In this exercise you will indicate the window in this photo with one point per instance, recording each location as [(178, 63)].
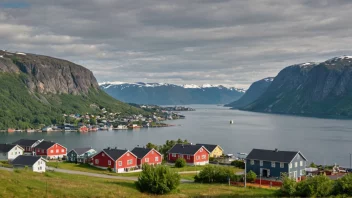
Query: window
[(301, 163), (174, 155), (201, 150), (103, 154), (15, 148), (156, 159), (261, 162), (128, 154), (301, 172), (42, 150), (188, 156), (273, 164), (129, 162), (282, 165), (51, 151), (252, 162), (152, 152), (204, 156), (62, 150), (296, 164), (57, 150), (146, 160), (197, 158), (96, 161), (109, 162), (290, 165), (120, 163)]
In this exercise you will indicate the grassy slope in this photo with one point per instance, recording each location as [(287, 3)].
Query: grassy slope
[(21, 109), (28, 184)]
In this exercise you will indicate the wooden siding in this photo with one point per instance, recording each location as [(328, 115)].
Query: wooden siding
[(102, 160), (151, 156), (200, 157), (217, 152)]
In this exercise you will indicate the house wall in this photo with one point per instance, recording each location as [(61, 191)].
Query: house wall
[(298, 158), (53, 152), (12, 154), (39, 166), (71, 156), (274, 171), (196, 159), (102, 160), (124, 159), (152, 155), (217, 152)]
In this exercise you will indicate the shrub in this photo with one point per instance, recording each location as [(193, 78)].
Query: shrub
[(238, 164), (109, 169), (211, 159), (180, 162), (288, 187), (344, 185), (157, 179), (318, 186), (251, 176), (215, 174)]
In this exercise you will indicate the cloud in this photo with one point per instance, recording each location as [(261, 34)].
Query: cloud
[(203, 41)]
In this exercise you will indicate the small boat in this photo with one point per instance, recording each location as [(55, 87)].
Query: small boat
[(231, 121), (30, 130), (10, 130)]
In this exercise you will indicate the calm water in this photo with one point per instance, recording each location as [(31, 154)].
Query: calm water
[(323, 141)]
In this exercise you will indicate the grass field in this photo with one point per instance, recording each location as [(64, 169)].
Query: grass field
[(92, 169), (53, 184)]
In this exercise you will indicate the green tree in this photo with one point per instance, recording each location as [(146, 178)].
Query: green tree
[(215, 174), (318, 186), (251, 176), (180, 162), (344, 185), (288, 187), (151, 146), (313, 165), (238, 164), (157, 179)]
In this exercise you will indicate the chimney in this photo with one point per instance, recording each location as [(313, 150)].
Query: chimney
[(138, 145), (276, 150), (108, 148), (183, 146), (115, 147)]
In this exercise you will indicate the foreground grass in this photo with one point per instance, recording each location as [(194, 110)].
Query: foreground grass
[(53, 184)]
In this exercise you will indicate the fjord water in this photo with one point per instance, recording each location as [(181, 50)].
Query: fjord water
[(323, 141)]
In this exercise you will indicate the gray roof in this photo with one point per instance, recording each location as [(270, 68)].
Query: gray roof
[(25, 160), (189, 149), (140, 152), (45, 145), (4, 148), (272, 155), (81, 151), (25, 142), (115, 153), (209, 147)]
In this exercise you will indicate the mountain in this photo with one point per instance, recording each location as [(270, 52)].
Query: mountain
[(310, 89), (170, 94), (37, 89), (253, 93)]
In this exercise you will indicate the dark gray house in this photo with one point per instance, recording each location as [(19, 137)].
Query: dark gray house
[(80, 155), (273, 163)]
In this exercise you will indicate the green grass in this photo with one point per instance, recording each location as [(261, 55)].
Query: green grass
[(5, 164), (53, 184)]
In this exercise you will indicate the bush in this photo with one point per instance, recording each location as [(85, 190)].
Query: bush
[(238, 164), (318, 186), (288, 187), (215, 174), (251, 176), (157, 179), (211, 159), (180, 162), (343, 185), (109, 169)]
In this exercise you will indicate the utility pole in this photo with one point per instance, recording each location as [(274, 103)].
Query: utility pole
[(350, 160)]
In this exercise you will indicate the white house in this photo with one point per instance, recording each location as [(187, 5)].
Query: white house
[(36, 163), (10, 151)]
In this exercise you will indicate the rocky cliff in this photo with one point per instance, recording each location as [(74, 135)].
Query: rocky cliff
[(49, 75), (311, 89), (253, 93)]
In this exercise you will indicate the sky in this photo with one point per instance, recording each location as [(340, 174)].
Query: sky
[(232, 43)]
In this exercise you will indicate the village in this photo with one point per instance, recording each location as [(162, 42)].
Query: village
[(269, 166), (105, 120)]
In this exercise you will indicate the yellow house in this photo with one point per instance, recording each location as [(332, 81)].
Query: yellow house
[(215, 150)]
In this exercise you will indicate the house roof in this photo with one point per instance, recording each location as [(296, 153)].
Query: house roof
[(273, 155), (45, 144), (141, 152), (4, 148), (186, 148), (209, 147), (115, 153), (25, 142), (26, 160), (81, 151)]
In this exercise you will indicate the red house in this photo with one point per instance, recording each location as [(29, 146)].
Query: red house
[(28, 145), (193, 154), (146, 155), (117, 159), (50, 150)]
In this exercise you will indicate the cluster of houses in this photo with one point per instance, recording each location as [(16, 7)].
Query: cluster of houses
[(35, 153)]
